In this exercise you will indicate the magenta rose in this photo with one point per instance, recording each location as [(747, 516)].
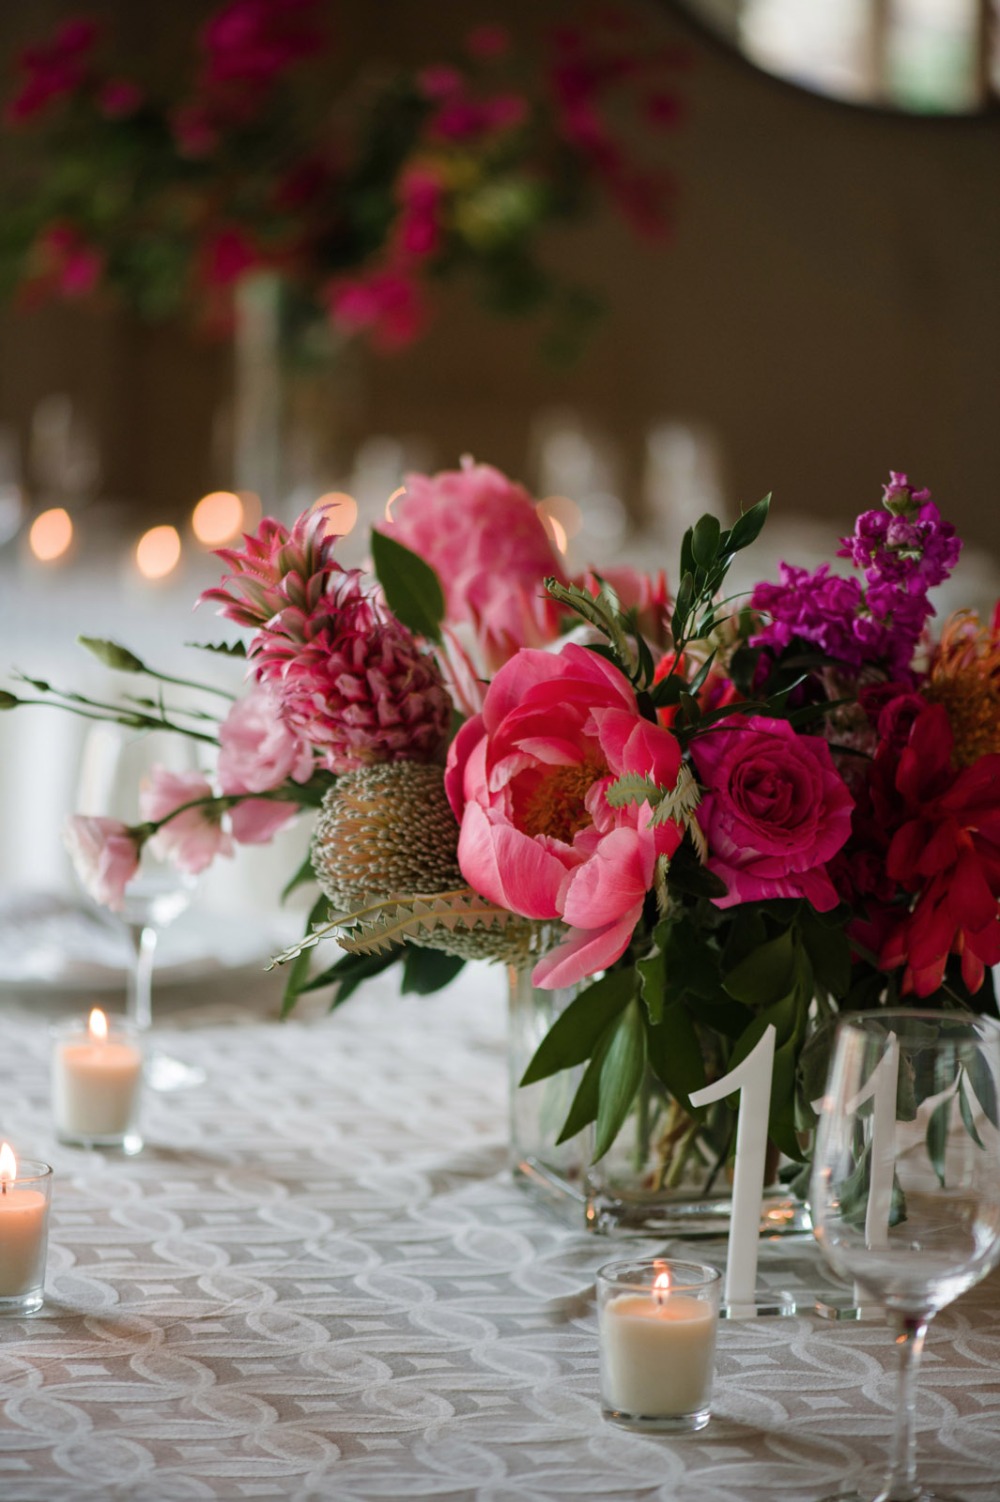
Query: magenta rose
[(527, 779), (774, 812), (104, 856)]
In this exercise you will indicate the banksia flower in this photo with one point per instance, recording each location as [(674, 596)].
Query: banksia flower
[(383, 830)]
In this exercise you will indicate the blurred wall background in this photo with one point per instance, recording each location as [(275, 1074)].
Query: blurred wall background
[(828, 310)]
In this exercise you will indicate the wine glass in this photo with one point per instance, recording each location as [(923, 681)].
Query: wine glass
[(114, 763), (906, 1182)]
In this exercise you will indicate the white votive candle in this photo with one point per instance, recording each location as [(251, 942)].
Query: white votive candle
[(658, 1322), (97, 1083), (24, 1225)]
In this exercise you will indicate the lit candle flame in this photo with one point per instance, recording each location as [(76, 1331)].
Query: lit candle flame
[(97, 1026), (8, 1166), (158, 552), (51, 534), (661, 1285), (400, 490)]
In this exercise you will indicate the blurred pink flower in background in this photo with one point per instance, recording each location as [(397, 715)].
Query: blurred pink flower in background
[(481, 534), (104, 856), (259, 753)]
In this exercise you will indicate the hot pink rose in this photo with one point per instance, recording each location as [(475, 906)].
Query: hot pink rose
[(104, 856), (481, 534), (775, 810), (193, 839), (259, 753), (527, 780)]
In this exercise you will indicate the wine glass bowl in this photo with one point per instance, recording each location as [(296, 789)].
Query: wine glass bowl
[(905, 1192)]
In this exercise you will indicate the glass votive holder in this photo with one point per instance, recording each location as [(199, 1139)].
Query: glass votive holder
[(24, 1235), (97, 1083), (657, 1323)]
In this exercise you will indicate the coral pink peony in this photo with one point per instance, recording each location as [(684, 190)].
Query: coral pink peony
[(104, 855), (259, 753), (775, 810), (527, 779), (479, 531), (190, 840)]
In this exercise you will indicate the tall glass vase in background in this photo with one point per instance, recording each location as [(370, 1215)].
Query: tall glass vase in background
[(296, 387)]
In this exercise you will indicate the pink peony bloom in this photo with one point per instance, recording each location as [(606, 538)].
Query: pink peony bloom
[(191, 840), (104, 855), (481, 534), (775, 811), (527, 780), (259, 753)]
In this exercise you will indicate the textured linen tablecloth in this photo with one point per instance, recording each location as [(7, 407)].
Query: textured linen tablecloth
[(319, 1281)]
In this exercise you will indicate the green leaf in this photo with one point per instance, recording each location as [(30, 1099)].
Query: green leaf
[(583, 1109), (621, 1074), (968, 1120), (689, 877), (224, 648), (113, 655), (937, 1136), (652, 973), (428, 970), (630, 787), (981, 1080), (412, 588), (830, 952), (298, 879), (748, 527), (575, 1033), (675, 1055), (351, 971), (705, 540), (766, 974)]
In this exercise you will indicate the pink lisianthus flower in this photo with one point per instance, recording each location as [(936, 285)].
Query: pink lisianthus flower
[(104, 855), (258, 753), (774, 812), (190, 840), (527, 779), (481, 534)]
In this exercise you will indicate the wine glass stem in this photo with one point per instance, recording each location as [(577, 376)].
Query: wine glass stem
[(901, 1478), (140, 978)]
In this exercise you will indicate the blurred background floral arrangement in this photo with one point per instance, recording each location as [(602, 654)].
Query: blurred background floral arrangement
[(363, 188)]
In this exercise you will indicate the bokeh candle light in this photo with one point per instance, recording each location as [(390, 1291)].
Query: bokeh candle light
[(158, 552), (51, 534)]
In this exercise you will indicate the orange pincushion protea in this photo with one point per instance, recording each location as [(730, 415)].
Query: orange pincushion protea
[(965, 679)]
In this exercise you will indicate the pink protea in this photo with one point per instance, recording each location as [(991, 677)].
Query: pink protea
[(482, 535), (352, 681), (277, 570)]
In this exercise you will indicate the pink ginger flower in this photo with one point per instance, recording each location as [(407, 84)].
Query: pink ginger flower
[(190, 840), (258, 753), (528, 779), (352, 680), (105, 857), (481, 534)]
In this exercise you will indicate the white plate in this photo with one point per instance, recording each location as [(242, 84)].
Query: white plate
[(53, 943)]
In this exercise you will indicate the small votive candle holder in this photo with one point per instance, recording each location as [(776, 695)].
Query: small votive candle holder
[(24, 1235), (657, 1323), (97, 1083)]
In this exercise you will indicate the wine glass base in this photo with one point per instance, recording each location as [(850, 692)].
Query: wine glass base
[(163, 1073)]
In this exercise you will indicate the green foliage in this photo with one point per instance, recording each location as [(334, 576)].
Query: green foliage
[(412, 588)]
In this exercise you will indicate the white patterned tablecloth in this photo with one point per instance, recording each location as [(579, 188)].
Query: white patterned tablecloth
[(319, 1281)]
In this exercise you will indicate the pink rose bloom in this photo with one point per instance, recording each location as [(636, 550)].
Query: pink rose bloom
[(775, 811), (527, 780), (193, 839), (104, 856), (258, 753), (481, 534)]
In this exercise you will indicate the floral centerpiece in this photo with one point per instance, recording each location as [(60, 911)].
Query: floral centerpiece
[(364, 185), (695, 817)]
